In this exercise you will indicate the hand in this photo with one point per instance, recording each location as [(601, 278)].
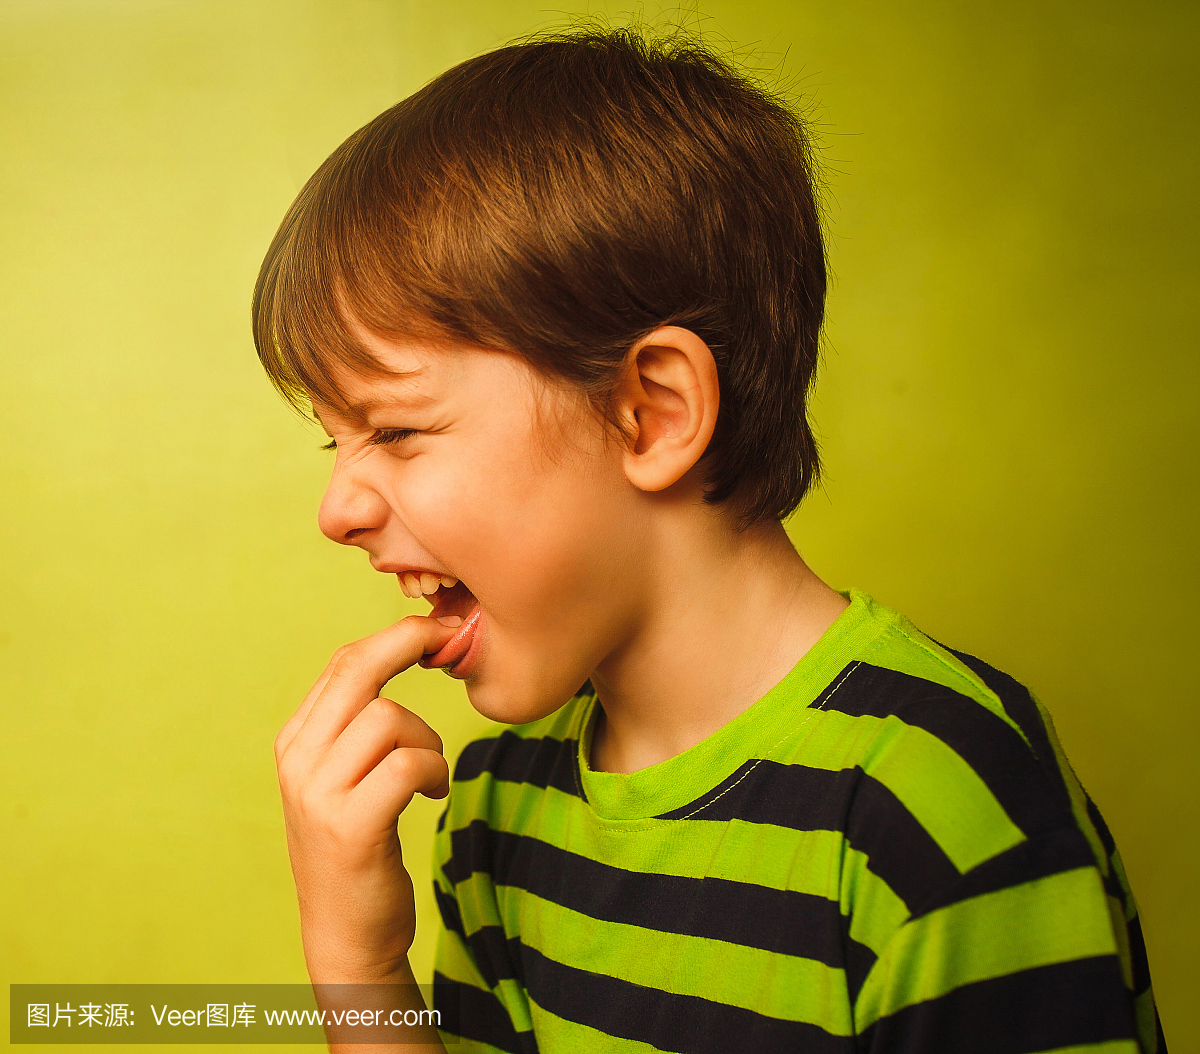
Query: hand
[(349, 763)]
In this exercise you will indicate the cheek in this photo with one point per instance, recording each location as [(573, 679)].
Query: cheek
[(520, 526)]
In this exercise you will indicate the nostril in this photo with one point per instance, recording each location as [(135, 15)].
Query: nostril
[(351, 535)]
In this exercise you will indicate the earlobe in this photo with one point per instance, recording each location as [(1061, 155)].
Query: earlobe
[(669, 400)]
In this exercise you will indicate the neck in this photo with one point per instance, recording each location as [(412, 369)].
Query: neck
[(727, 615)]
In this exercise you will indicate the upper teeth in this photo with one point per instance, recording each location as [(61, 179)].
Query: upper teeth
[(414, 585)]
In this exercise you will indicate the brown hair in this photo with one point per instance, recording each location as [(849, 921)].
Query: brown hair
[(561, 198)]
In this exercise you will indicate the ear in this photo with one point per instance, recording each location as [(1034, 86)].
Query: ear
[(668, 400)]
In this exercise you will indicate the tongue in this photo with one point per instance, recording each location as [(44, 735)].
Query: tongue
[(457, 646)]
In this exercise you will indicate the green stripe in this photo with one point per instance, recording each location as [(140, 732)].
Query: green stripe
[(778, 857), (944, 793), (1074, 790), (878, 912), (976, 940), (1143, 1014), (455, 961), (1118, 868), (512, 994), (1120, 931), (557, 1033), (477, 902), (1111, 1046)]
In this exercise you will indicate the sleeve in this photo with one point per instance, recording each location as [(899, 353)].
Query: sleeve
[(1020, 954), (474, 999)]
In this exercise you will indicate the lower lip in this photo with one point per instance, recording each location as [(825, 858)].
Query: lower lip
[(460, 653)]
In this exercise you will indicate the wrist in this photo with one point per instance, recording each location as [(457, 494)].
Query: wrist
[(380, 1015), (332, 961)]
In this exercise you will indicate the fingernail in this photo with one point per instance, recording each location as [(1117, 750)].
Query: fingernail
[(450, 620)]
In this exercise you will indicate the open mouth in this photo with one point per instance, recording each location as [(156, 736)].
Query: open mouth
[(447, 599)]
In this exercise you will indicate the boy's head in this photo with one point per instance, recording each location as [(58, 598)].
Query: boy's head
[(561, 199), (586, 222)]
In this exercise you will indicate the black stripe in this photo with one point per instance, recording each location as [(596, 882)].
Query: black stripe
[(708, 798), (472, 1013), (899, 850), (1102, 831), (1018, 703), (442, 818), (1049, 854), (1113, 885), (542, 762), (1139, 963), (981, 738), (859, 960), (1043, 1008), (664, 1020), (498, 957), (1160, 1041), (448, 909), (782, 921)]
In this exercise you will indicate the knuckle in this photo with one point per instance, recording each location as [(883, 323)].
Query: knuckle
[(404, 765), (310, 803), (291, 783), (287, 774), (381, 712), (388, 707), (347, 661)]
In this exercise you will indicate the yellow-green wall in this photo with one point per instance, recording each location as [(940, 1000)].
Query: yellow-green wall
[(1008, 410)]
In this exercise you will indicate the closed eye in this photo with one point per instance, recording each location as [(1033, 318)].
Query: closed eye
[(384, 435), (391, 435)]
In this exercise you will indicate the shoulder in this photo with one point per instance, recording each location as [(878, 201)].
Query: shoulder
[(966, 808), (921, 701), (931, 763)]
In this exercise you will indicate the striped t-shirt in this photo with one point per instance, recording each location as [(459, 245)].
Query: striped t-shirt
[(887, 852)]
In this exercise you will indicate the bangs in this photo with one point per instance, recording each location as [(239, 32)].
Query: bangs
[(361, 244), (311, 285), (301, 336)]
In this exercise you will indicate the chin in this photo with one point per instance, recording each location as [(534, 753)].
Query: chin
[(517, 704)]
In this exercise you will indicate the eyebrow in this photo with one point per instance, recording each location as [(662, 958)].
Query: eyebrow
[(359, 412)]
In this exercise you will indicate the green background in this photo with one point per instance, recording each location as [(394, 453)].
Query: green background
[(1007, 409)]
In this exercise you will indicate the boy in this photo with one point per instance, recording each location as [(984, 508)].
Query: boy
[(559, 312)]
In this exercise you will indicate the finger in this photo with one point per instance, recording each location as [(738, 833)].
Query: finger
[(379, 728), (388, 788), (358, 672), (293, 723)]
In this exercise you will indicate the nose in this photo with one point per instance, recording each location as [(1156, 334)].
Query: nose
[(350, 508)]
